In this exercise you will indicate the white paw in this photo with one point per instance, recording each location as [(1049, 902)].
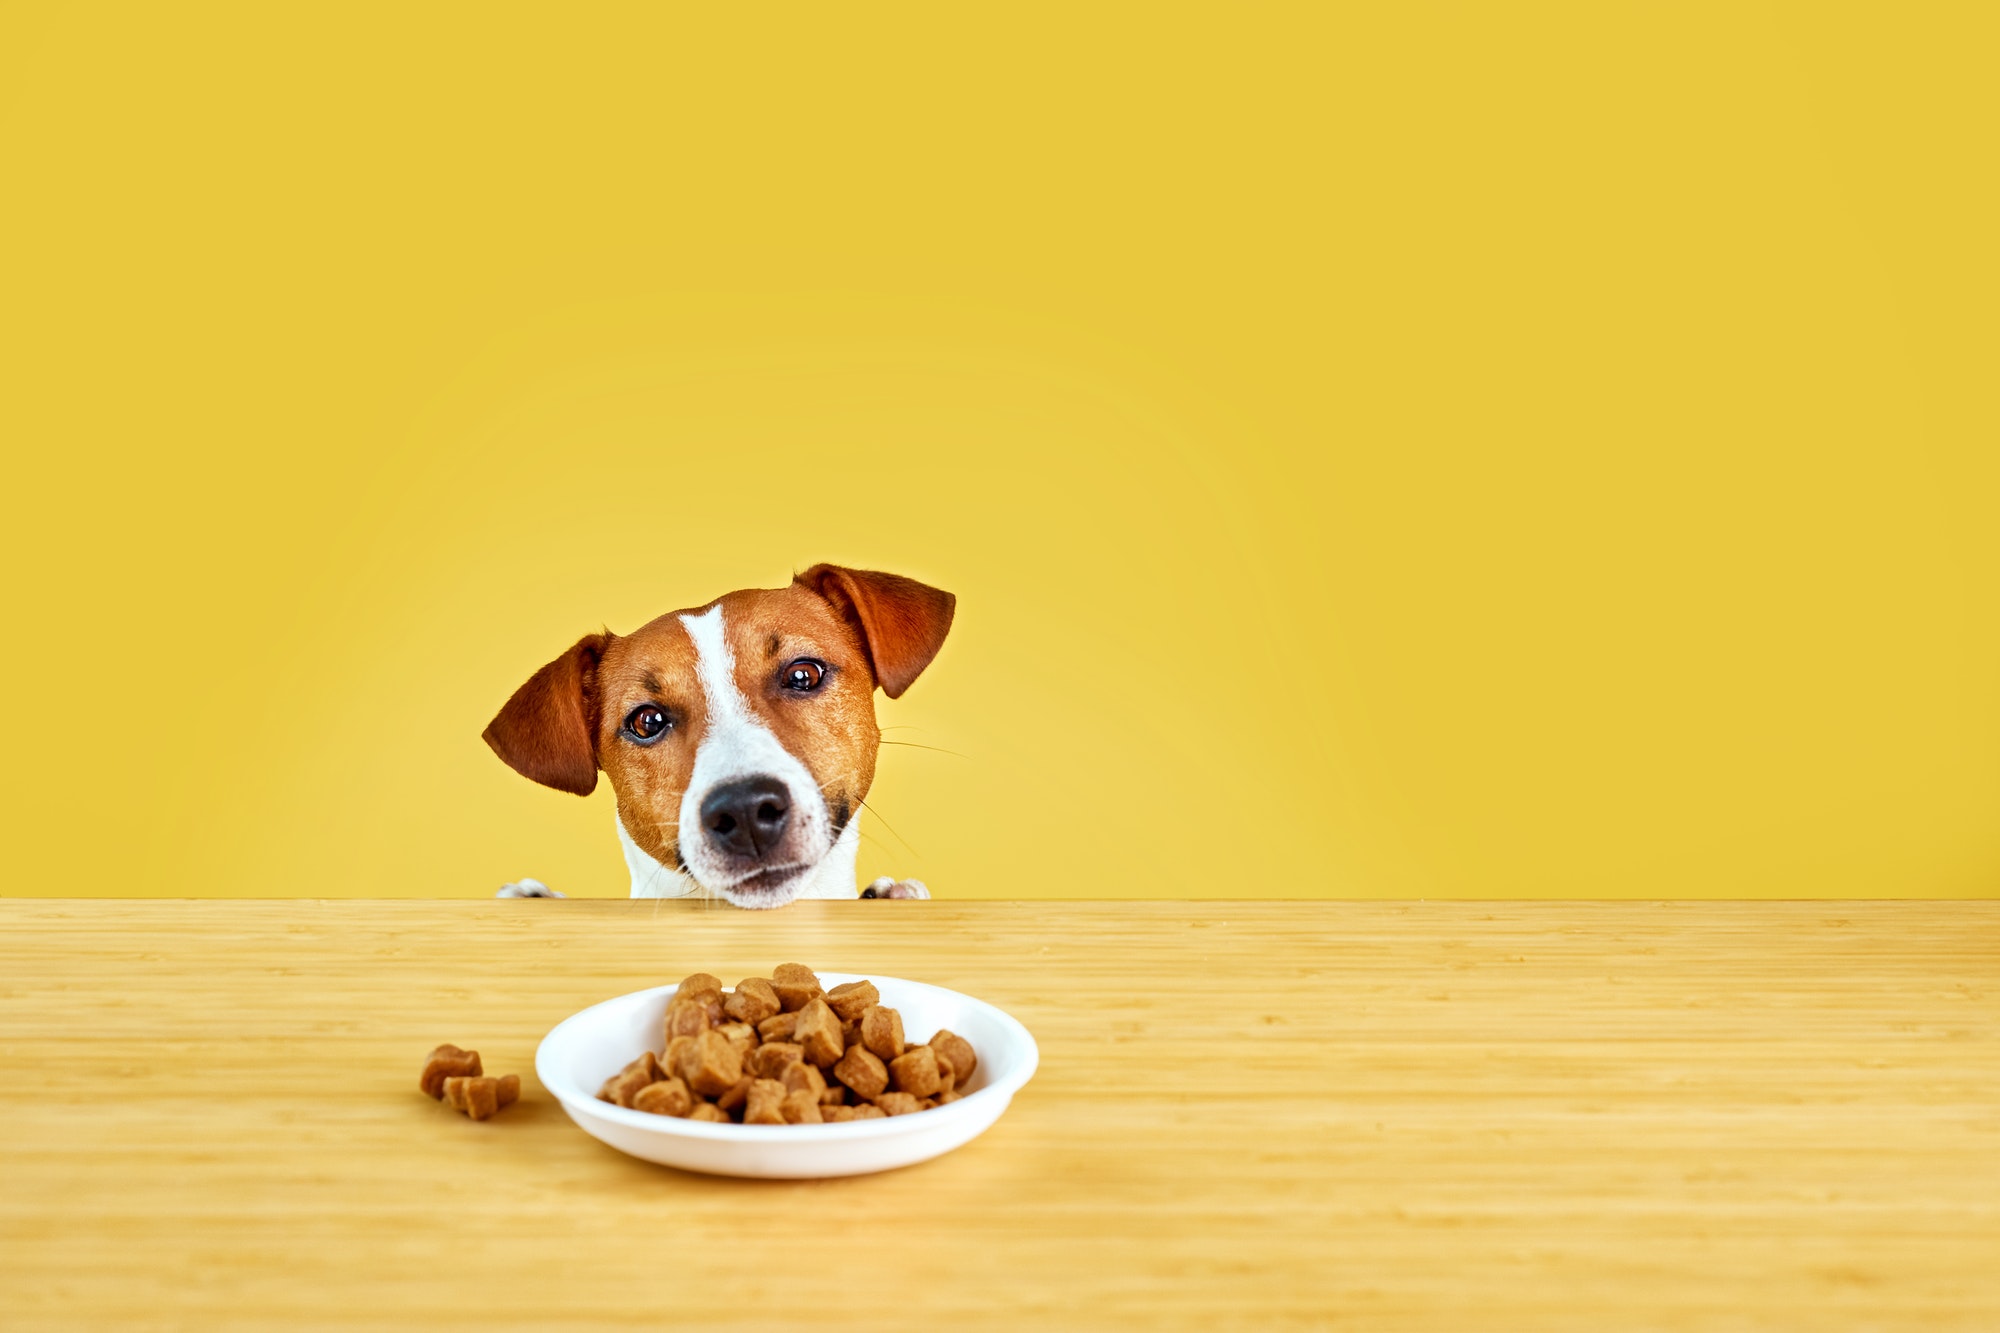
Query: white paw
[(527, 888), (896, 888)]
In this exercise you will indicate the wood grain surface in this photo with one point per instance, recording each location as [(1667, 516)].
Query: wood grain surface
[(1248, 1115)]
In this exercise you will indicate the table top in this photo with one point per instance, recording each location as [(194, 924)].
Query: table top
[(1369, 1115)]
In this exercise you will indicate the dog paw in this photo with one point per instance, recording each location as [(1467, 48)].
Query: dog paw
[(896, 888), (527, 888)]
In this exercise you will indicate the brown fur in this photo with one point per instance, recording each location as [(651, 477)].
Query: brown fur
[(547, 730)]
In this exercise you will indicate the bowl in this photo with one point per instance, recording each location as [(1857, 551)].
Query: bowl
[(588, 1047)]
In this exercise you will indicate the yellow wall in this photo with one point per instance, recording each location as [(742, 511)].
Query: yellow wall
[(1430, 450)]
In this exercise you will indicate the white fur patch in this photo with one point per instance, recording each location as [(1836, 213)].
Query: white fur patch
[(736, 744), (527, 888)]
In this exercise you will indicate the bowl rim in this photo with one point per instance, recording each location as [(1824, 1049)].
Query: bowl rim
[(996, 1094)]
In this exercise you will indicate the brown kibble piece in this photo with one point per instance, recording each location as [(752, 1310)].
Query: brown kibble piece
[(715, 1064), (753, 1002), (851, 1000), (836, 1114), (667, 1097), (800, 1108), (835, 1095), (770, 1059), (818, 1032), (764, 1106), (869, 1112), (916, 1072), (675, 1061), (898, 1103), (481, 1097), (707, 997), (950, 1046), (445, 1062), (740, 1035), (477, 1097), (701, 983), (622, 1086), (850, 1033), (778, 1027), (882, 1032), (735, 1097), (710, 1112), (686, 1018), (863, 1071), (801, 1076), (795, 984), (947, 1076), (947, 1098)]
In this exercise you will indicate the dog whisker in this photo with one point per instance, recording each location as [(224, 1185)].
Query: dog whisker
[(912, 745), (877, 815)]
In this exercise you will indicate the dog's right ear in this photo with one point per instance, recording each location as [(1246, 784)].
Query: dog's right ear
[(902, 622), (548, 730)]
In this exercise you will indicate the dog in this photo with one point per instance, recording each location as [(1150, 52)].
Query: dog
[(739, 736)]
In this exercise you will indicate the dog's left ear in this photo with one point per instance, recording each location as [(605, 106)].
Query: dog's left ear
[(548, 730), (902, 622)]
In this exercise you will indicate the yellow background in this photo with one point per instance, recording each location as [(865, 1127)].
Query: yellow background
[(1395, 450)]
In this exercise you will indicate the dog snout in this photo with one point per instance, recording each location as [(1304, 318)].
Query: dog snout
[(747, 817)]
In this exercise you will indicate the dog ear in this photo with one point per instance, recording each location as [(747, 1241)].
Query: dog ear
[(902, 622), (548, 730)]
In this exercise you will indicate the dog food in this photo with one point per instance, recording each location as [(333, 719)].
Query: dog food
[(447, 1061), (456, 1078), (481, 1097), (777, 1050)]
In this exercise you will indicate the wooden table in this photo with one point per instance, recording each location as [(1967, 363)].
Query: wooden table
[(1249, 1115)]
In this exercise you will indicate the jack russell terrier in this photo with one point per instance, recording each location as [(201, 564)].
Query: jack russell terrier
[(739, 737)]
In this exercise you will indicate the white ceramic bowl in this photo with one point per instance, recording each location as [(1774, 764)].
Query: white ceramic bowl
[(586, 1048)]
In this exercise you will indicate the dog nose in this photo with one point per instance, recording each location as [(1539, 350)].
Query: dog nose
[(747, 817)]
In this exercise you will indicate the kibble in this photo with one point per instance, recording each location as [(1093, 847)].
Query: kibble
[(915, 1072), (782, 1050), (795, 984), (667, 1097), (624, 1085), (481, 1097), (754, 1001), (800, 1108), (713, 1066), (818, 1032), (882, 1032), (765, 1104), (950, 1046), (457, 1079), (862, 1070), (445, 1062), (850, 1000)]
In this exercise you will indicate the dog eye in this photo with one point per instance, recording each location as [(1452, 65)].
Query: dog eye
[(804, 675), (648, 722)]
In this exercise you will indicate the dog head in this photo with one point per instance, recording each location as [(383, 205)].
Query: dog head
[(740, 736)]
